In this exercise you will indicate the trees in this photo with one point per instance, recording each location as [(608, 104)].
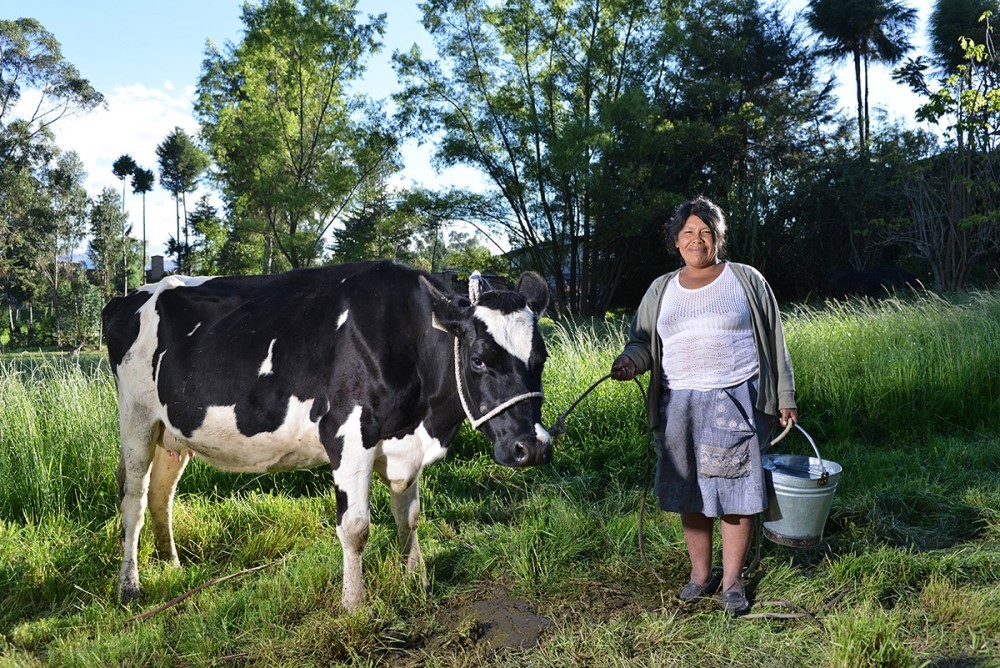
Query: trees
[(593, 118), (181, 165), (39, 200), (111, 250), (868, 31), (962, 40), (953, 196), (293, 148), (68, 204)]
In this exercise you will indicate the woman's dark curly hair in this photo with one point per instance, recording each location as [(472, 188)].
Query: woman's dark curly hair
[(705, 209)]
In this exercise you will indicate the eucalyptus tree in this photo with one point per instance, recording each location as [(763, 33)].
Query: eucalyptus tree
[(27, 238), (31, 60), (32, 69), (181, 165), (867, 31), (292, 146), (142, 183)]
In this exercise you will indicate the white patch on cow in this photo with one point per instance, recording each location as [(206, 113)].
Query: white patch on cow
[(191, 333), (342, 319), (159, 363), (293, 445), (542, 435), (514, 331), (406, 456), (266, 367)]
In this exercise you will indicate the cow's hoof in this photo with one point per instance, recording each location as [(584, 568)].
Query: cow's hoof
[(128, 594)]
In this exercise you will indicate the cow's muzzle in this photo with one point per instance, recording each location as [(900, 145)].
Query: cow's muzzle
[(532, 454), (526, 451)]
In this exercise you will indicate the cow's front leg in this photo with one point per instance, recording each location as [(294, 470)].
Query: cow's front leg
[(406, 511), (352, 476)]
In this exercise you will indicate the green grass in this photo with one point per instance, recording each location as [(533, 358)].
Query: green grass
[(901, 393)]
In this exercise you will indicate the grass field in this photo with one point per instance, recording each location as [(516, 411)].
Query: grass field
[(537, 568)]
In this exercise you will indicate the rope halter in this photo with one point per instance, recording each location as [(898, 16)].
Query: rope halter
[(496, 411)]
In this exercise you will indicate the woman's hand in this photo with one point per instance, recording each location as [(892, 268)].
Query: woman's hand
[(788, 414), (623, 368)]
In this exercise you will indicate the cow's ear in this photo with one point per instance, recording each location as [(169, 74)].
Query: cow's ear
[(535, 291), (447, 315)]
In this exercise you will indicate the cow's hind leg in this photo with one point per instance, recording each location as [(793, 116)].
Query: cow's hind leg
[(138, 443), (168, 466)]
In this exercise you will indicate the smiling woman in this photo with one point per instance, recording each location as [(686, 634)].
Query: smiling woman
[(711, 334)]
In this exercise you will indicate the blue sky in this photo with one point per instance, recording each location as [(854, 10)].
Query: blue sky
[(145, 57)]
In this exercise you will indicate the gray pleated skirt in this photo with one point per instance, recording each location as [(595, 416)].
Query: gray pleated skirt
[(708, 457)]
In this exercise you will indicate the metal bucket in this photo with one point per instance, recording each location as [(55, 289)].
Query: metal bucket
[(799, 493)]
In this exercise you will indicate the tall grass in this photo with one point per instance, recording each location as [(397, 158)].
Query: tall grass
[(902, 394), (58, 425), (905, 368)]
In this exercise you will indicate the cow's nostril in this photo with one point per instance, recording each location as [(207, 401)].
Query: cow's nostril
[(521, 454)]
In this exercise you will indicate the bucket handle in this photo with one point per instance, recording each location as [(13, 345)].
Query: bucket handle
[(824, 476)]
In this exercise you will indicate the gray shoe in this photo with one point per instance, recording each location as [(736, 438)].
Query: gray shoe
[(693, 591), (734, 600)]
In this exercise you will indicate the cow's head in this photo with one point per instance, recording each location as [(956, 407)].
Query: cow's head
[(500, 354)]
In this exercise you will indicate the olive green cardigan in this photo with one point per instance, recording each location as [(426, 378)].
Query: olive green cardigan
[(776, 387)]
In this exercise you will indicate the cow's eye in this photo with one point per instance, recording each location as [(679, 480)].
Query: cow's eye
[(478, 364)]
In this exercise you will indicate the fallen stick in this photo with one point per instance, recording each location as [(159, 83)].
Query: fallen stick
[(191, 592), (799, 613)]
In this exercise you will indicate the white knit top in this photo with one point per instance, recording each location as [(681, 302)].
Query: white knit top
[(707, 335)]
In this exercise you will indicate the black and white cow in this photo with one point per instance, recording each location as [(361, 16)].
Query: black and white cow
[(366, 367)]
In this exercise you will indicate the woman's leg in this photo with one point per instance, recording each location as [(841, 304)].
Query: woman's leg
[(698, 536), (736, 532)]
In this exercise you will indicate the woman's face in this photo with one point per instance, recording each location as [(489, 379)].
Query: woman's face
[(696, 243)]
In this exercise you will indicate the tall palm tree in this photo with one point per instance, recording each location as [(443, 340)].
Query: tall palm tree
[(867, 31), (123, 167), (142, 183)]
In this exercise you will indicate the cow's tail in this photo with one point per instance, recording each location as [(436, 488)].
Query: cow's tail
[(120, 476)]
